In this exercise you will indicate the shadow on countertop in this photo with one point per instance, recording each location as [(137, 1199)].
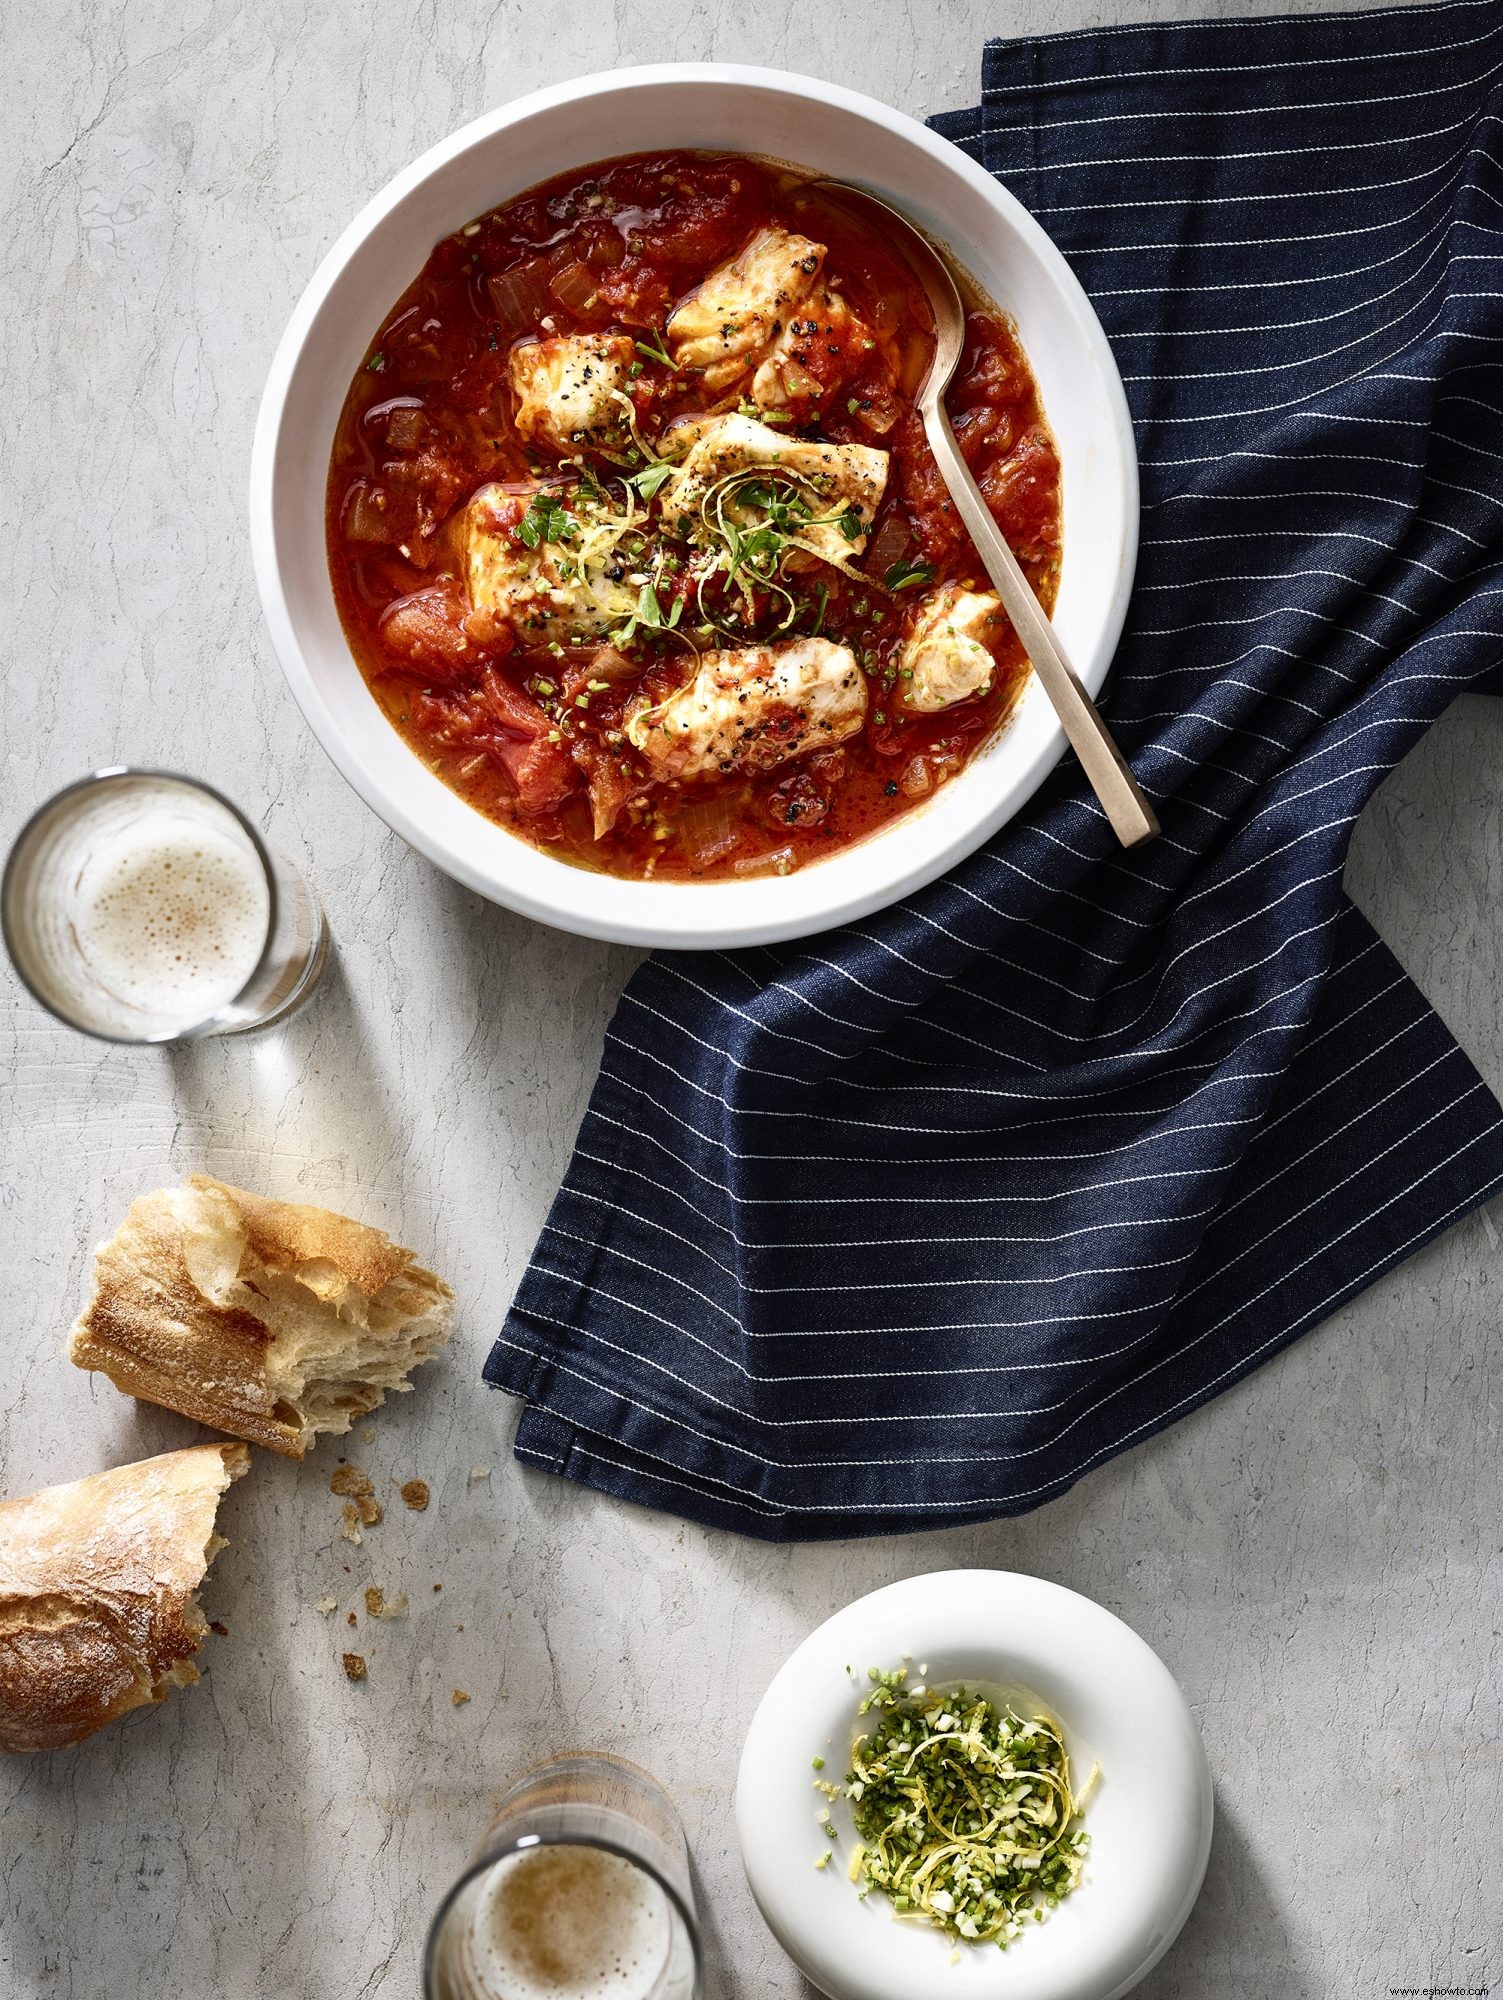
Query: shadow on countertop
[(1235, 1940)]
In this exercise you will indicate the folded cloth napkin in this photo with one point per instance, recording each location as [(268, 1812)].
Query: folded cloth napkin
[(919, 1220)]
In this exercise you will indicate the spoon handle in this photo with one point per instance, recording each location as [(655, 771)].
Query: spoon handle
[(1132, 818)]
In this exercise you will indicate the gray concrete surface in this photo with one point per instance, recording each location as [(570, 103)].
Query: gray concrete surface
[(1316, 1556)]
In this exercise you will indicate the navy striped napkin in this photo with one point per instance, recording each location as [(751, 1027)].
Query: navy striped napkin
[(922, 1219)]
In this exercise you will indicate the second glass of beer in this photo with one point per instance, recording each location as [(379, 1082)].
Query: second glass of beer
[(579, 1891)]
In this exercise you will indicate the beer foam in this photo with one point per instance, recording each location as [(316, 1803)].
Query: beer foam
[(569, 1923), (170, 915)]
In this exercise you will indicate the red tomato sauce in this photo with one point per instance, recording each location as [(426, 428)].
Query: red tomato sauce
[(531, 735)]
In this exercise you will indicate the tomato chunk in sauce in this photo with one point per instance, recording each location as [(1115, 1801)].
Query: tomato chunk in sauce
[(637, 538)]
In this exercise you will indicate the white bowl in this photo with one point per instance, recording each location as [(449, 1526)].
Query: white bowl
[(721, 108), (1149, 1816)]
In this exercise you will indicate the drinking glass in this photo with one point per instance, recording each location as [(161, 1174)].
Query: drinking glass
[(579, 1891), (141, 906)]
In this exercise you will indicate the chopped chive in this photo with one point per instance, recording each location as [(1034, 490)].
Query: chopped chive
[(654, 347)]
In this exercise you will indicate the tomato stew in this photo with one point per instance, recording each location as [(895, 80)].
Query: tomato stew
[(637, 538)]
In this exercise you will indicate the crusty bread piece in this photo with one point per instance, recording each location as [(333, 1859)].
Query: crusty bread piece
[(97, 1582), (267, 1319)]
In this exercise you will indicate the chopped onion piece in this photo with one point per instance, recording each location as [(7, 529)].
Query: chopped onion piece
[(575, 288), (606, 664), (890, 544), (779, 862), (406, 427), (521, 297), (606, 248), (610, 781), (365, 515), (916, 780), (709, 829), (878, 412)]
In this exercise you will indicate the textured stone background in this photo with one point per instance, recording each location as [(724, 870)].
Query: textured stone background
[(1316, 1556)]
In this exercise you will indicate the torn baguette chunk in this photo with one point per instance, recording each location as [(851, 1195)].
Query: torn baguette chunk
[(97, 1592), (268, 1319)]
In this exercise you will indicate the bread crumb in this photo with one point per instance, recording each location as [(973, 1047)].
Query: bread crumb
[(479, 1472), (351, 1527), (438, 1586), (368, 1435), (218, 1625), (325, 1605), (354, 1665), (415, 1494), (459, 1697), (350, 1620), (380, 1606), (360, 1494)]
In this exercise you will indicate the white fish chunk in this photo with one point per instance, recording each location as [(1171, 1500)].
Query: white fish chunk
[(546, 594), (751, 708), (947, 656), (831, 477), (566, 388), (821, 345), (729, 324)]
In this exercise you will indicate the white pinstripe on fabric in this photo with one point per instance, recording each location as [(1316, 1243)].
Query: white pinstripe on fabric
[(760, 1457)]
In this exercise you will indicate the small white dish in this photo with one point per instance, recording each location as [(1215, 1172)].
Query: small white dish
[(1149, 1816), (712, 107)]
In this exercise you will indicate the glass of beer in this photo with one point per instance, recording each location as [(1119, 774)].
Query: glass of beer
[(140, 906), (579, 1891)]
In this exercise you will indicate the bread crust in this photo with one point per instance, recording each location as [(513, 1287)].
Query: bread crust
[(181, 1314), (96, 1592)]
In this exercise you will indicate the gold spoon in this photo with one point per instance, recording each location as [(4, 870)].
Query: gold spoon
[(1132, 817)]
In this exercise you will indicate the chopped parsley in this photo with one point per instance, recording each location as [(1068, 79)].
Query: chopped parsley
[(546, 520), (648, 481), (903, 575), (649, 615)]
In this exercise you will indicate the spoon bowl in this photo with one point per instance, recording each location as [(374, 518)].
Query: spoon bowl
[(1132, 818)]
